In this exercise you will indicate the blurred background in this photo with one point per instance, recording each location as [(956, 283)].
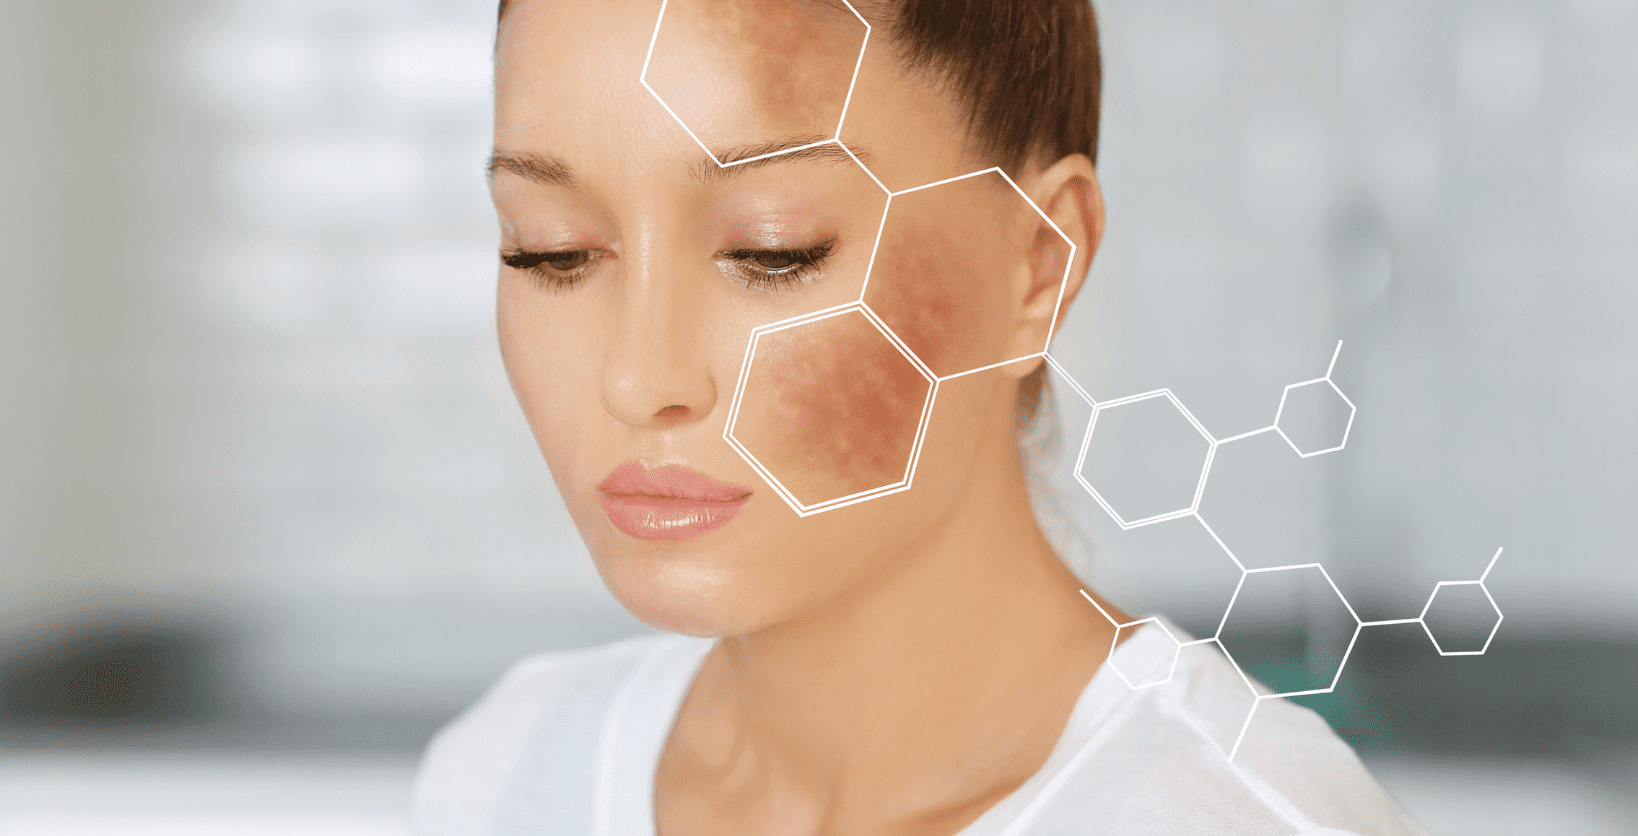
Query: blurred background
[(269, 516)]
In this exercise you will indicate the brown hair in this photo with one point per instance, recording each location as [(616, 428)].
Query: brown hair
[(1029, 73)]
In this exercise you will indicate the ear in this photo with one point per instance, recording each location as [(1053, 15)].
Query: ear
[(1065, 232)]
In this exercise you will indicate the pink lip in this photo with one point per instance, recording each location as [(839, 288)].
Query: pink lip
[(668, 503)]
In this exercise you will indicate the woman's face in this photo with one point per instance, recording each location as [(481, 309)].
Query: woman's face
[(636, 270)]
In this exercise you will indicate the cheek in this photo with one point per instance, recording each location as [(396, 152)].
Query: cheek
[(941, 279), (520, 348), (547, 347), (831, 408)]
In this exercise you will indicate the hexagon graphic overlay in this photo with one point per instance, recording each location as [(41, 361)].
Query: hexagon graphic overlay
[(934, 281), (1177, 569), (1142, 666), (830, 410), (1291, 628), (1260, 497), (1146, 660), (749, 79), (1314, 416), (1461, 618), (1145, 459)]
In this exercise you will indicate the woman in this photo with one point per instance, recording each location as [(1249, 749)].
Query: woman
[(922, 662)]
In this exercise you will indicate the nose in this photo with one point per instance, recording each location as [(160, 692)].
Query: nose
[(656, 370)]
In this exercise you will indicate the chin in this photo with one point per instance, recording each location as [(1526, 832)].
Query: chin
[(689, 594)]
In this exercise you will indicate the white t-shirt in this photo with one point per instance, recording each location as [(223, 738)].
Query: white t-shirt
[(568, 743)]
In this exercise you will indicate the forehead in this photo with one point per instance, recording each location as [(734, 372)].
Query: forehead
[(570, 79), (555, 60), (733, 71)]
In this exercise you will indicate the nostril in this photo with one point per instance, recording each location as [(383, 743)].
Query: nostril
[(674, 409)]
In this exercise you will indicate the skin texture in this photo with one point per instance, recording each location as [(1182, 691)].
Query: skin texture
[(947, 262), (801, 59), (831, 408), (894, 666)]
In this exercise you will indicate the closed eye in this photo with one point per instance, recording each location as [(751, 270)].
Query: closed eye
[(558, 269), (777, 269), (769, 269)]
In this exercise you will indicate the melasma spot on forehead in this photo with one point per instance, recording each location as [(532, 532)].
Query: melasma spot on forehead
[(747, 71)]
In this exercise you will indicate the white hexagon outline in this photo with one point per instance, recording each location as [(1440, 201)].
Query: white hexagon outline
[(1200, 484), (1480, 583), (1177, 646), (835, 136), (803, 509), (1347, 428), (1352, 639), (1435, 639), (1063, 281)]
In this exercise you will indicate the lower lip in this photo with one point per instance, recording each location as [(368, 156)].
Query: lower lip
[(655, 518)]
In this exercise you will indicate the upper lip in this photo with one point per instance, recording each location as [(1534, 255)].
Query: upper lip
[(672, 481)]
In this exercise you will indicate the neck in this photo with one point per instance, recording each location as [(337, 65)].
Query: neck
[(946, 674)]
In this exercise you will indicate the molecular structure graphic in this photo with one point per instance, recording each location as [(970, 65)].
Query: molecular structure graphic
[(1158, 672), (1319, 395)]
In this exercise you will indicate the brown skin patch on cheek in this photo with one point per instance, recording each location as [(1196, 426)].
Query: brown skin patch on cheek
[(941, 275), (831, 408)]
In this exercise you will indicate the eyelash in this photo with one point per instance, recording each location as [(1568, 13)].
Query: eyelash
[(749, 265), (539, 266), (799, 268)]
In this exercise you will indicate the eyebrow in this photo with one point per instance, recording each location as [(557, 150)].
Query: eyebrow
[(788, 150), (540, 168), (552, 171)]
